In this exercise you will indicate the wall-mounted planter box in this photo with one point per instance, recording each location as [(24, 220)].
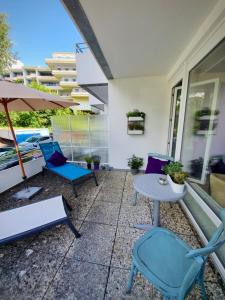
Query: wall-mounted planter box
[(135, 122), (135, 119), (135, 132), (211, 117)]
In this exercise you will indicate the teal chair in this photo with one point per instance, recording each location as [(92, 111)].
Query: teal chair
[(170, 264)]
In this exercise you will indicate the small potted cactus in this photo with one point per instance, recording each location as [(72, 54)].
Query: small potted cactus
[(88, 160)]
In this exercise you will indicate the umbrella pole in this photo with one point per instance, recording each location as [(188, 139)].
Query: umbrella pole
[(15, 142)]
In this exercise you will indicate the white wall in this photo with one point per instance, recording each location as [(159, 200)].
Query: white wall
[(12, 176), (88, 70), (148, 94)]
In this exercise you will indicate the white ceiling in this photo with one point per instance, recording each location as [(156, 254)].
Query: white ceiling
[(144, 37)]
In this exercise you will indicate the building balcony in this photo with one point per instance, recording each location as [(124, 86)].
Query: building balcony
[(54, 61), (81, 94), (62, 73), (47, 78), (68, 84)]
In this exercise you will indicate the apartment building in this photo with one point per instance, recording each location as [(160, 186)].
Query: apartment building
[(59, 75)]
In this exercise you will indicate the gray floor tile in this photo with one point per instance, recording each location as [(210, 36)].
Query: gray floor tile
[(131, 215), (110, 196), (29, 277), (10, 253), (55, 240), (95, 244), (117, 284), (125, 238), (104, 212), (78, 280)]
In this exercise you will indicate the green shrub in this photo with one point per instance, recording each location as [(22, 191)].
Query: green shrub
[(135, 162)]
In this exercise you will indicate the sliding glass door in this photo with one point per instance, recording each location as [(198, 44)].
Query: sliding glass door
[(174, 118)]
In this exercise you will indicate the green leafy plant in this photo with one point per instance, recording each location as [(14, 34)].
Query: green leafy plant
[(136, 113), (206, 111), (133, 126), (135, 162), (88, 159), (96, 159), (180, 177), (172, 168), (6, 55)]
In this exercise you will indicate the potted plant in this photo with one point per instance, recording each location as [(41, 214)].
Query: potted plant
[(88, 160), (96, 160), (135, 163), (175, 176), (135, 115)]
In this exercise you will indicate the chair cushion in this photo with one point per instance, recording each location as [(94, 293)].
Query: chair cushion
[(57, 159), (70, 171), (155, 165)]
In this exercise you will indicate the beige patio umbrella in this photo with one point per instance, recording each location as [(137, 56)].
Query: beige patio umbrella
[(17, 97)]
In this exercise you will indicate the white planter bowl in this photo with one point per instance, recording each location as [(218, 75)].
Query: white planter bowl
[(177, 188)]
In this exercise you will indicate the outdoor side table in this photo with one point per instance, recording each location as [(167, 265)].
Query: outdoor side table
[(149, 186)]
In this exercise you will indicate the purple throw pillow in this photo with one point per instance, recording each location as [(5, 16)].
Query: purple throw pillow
[(155, 165), (57, 159)]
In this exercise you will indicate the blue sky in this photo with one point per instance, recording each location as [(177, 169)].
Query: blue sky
[(38, 28)]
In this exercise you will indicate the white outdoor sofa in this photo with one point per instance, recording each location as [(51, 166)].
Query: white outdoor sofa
[(33, 218)]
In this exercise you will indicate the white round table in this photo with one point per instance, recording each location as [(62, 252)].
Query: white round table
[(149, 186)]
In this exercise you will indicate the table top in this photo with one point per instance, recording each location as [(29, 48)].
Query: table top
[(149, 186)]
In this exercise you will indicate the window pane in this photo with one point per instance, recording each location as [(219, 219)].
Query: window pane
[(203, 149)]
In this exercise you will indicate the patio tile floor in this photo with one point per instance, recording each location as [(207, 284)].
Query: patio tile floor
[(55, 265)]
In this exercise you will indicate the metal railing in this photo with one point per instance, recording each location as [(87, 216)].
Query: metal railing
[(81, 47)]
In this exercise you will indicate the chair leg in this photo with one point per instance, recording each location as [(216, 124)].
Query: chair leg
[(133, 274), (71, 226), (134, 198), (68, 207), (74, 190), (95, 179), (202, 286)]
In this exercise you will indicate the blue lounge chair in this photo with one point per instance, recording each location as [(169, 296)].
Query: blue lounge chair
[(170, 264), (69, 171), (33, 218)]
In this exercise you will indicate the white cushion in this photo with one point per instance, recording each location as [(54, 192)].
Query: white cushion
[(19, 220)]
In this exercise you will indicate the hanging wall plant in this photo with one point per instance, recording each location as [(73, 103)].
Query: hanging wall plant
[(135, 122)]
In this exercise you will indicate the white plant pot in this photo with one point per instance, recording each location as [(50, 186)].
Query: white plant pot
[(177, 188)]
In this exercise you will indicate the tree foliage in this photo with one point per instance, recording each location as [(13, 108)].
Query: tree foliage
[(6, 56), (35, 119)]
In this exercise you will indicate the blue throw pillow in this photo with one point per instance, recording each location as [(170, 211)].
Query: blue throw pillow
[(57, 159)]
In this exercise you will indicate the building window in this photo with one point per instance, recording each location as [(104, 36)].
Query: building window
[(203, 148)]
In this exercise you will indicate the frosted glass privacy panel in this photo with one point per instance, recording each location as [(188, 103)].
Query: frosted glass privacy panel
[(98, 131)]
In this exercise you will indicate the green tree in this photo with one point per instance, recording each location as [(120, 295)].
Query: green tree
[(6, 56), (37, 119)]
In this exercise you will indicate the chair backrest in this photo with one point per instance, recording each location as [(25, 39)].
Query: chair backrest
[(48, 149), (200, 255), (217, 240), (161, 156)]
